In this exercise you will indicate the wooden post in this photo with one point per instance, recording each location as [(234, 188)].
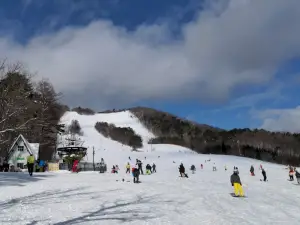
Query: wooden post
[(94, 158)]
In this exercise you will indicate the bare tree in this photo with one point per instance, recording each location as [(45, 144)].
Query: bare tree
[(16, 105)]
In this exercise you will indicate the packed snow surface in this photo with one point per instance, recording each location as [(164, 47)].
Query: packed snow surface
[(160, 198), (62, 197)]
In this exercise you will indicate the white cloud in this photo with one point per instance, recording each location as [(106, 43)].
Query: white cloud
[(281, 119), (239, 43)]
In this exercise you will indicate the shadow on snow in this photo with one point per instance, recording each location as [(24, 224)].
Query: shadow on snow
[(20, 178)]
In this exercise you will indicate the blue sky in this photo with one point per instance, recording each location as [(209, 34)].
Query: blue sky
[(209, 61)]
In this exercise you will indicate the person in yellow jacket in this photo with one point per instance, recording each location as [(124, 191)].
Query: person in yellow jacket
[(30, 164), (237, 184), (128, 168)]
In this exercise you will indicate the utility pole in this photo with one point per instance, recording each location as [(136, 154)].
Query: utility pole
[(94, 158)]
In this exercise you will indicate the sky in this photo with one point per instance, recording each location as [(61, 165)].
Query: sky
[(226, 63)]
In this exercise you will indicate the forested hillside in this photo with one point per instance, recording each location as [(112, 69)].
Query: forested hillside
[(277, 147)]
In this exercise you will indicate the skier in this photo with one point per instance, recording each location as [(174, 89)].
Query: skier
[(30, 163), (129, 158), (201, 166), (264, 174), (291, 174), (237, 184), (297, 176), (193, 169), (182, 170), (140, 166), (252, 170), (214, 167), (225, 167), (116, 169), (136, 174), (113, 170), (148, 169), (128, 168), (154, 168)]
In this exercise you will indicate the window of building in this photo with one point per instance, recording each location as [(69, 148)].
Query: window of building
[(20, 165), (20, 148)]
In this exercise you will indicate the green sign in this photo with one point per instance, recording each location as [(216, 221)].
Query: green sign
[(20, 158)]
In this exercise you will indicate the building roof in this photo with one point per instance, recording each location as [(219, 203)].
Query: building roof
[(32, 148)]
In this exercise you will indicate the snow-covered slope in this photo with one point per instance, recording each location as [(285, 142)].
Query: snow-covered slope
[(89, 198), (92, 138)]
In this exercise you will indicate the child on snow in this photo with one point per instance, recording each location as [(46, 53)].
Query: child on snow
[(252, 170), (128, 168), (148, 169), (237, 184), (193, 169)]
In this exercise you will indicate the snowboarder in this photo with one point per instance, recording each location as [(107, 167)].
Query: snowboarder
[(154, 168), (136, 174), (237, 184), (201, 166), (252, 170), (264, 174), (182, 170), (128, 168), (291, 174), (193, 169), (148, 169), (297, 176), (30, 164)]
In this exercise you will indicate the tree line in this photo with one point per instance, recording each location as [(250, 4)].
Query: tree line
[(278, 147)]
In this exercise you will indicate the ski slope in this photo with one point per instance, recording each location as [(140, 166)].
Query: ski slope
[(105, 146), (90, 198), (162, 198)]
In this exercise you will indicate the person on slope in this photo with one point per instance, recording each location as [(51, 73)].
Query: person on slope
[(214, 167), (193, 169), (264, 174), (181, 170), (237, 184), (148, 169), (136, 174), (225, 167), (291, 174), (252, 170), (201, 166), (153, 168), (297, 176), (113, 169), (30, 164), (116, 169), (128, 168), (140, 166)]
